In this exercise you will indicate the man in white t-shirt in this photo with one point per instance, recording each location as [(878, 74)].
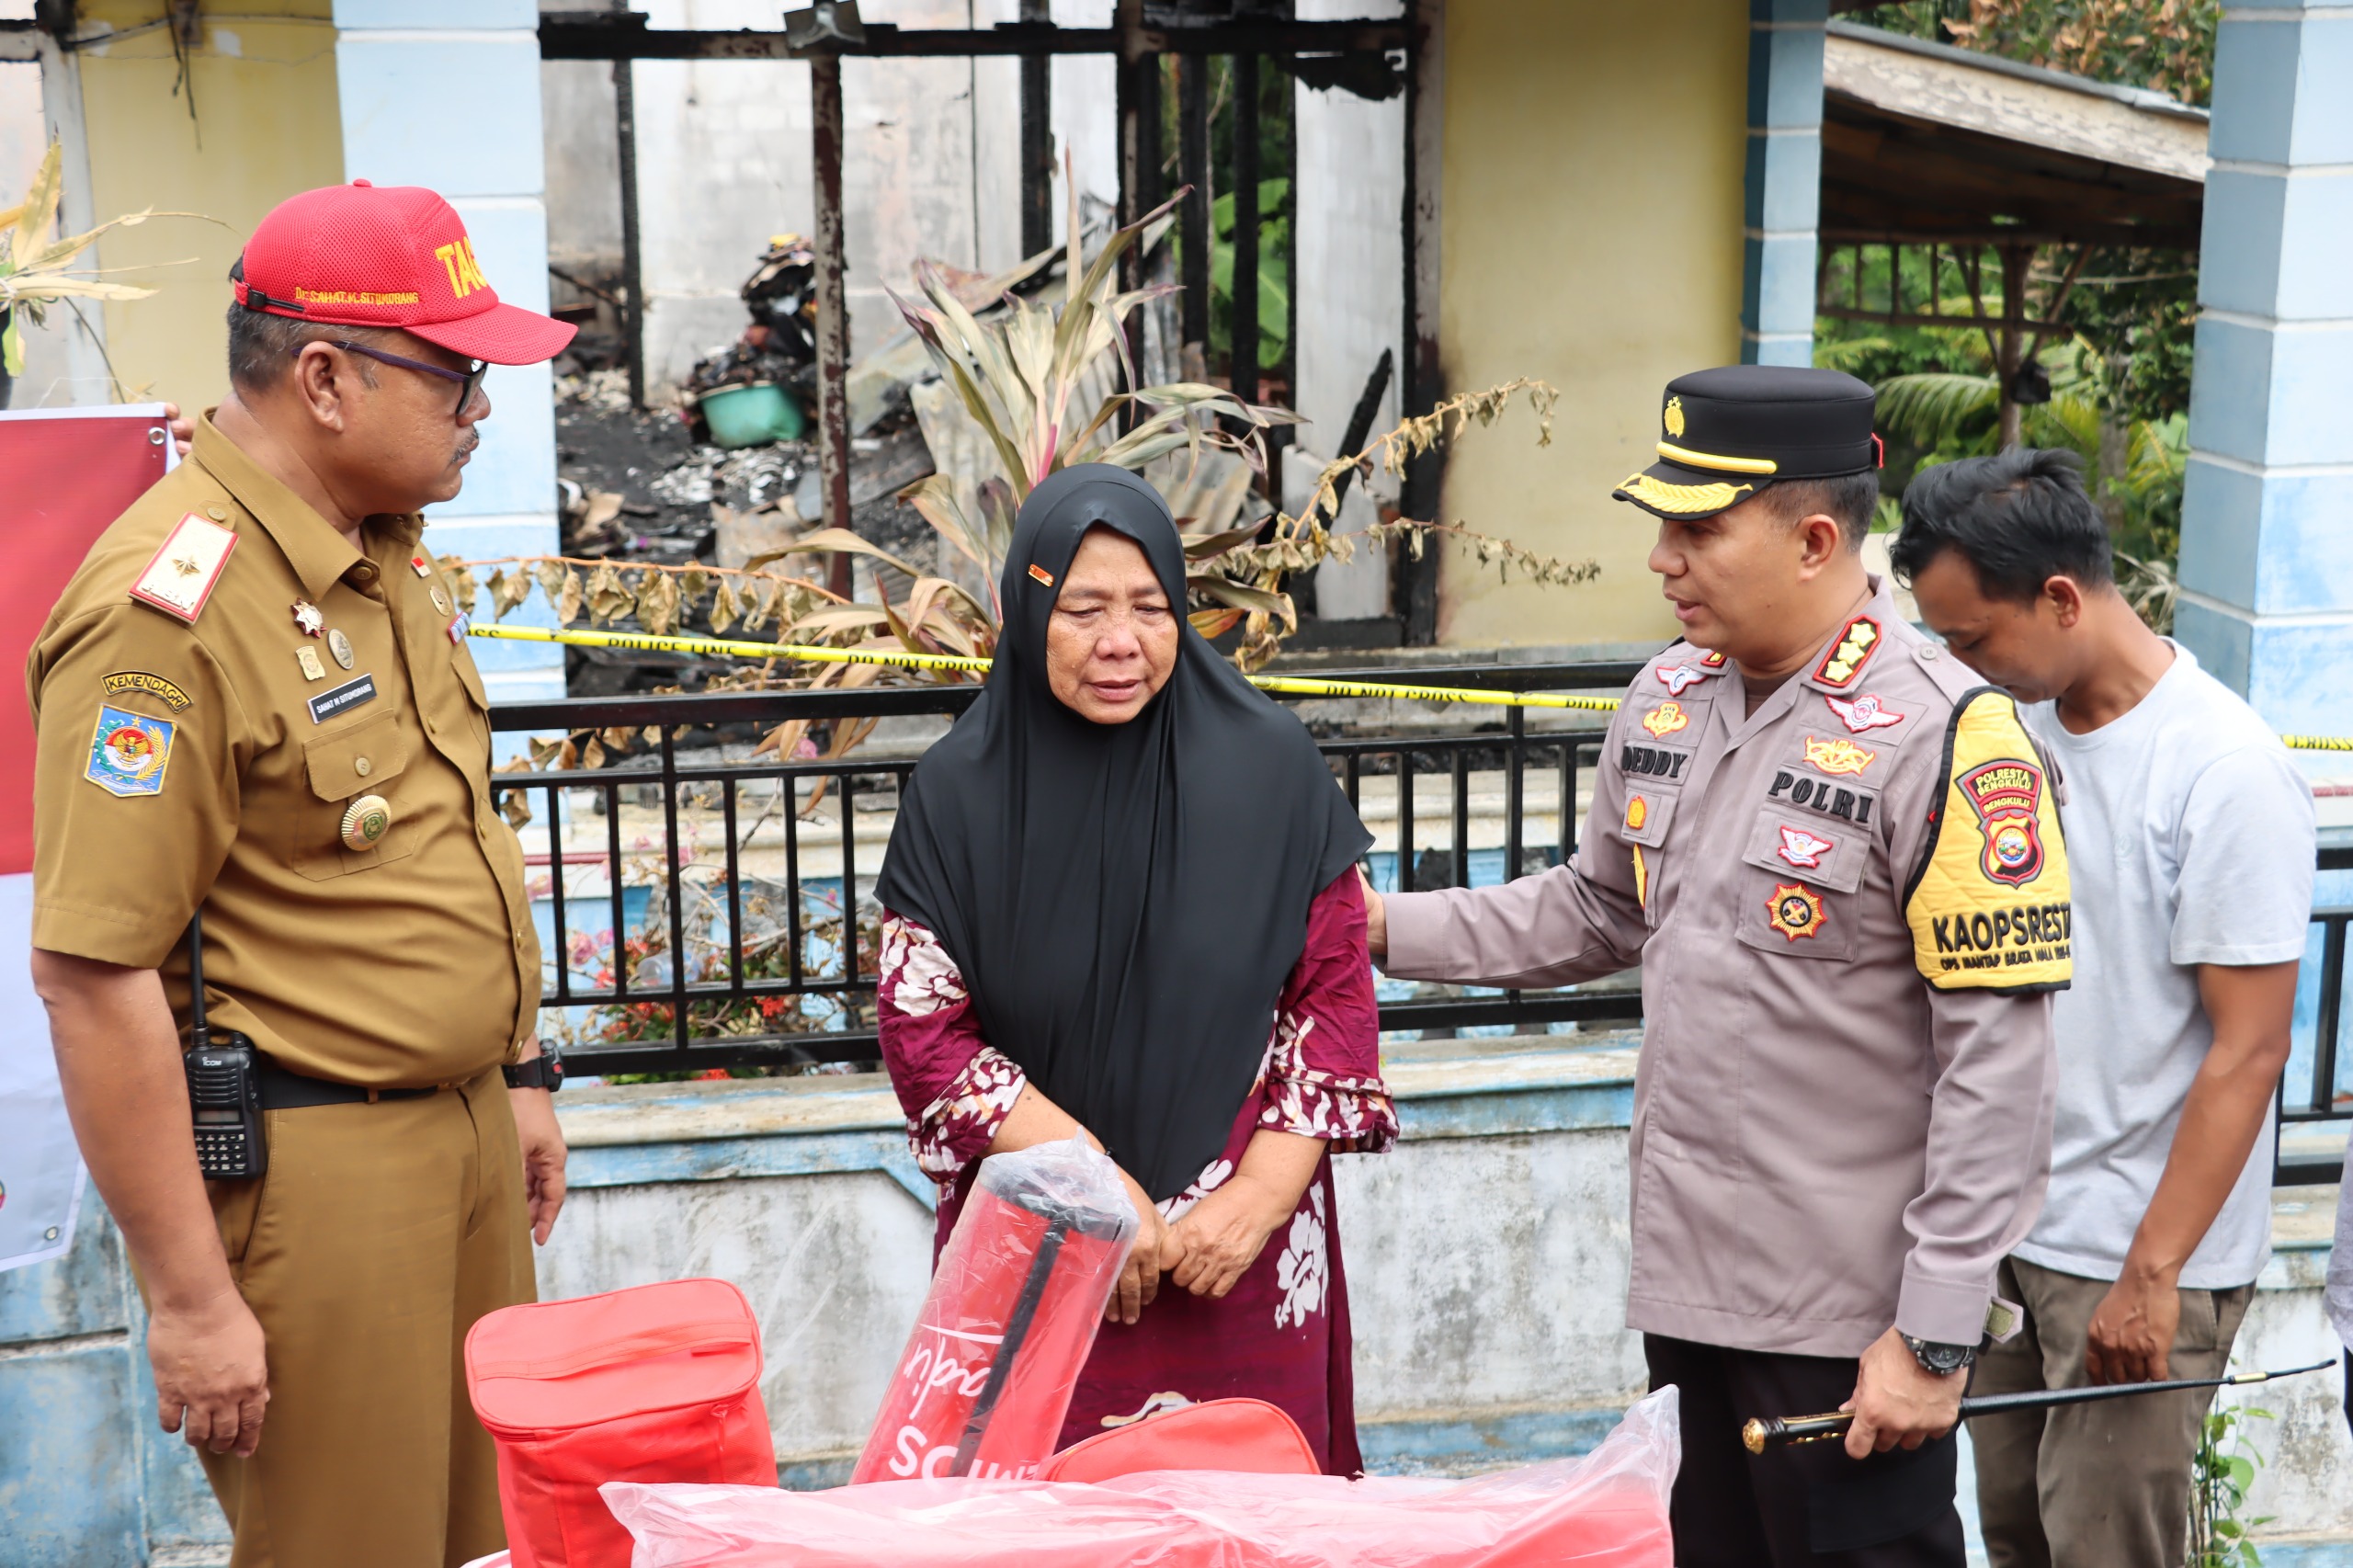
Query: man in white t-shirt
[(2190, 839)]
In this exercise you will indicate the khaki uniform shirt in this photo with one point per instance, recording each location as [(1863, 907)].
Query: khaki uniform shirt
[(1849, 907), (199, 760)]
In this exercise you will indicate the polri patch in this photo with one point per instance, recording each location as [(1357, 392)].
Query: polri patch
[(123, 682), (181, 577), (129, 753), (342, 699)]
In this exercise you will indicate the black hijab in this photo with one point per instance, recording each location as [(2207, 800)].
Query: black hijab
[(1125, 899)]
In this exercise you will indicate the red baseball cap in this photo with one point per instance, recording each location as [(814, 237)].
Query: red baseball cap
[(359, 255)]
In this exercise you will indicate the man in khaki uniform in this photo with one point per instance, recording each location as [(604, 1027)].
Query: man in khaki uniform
[(255, 700), (1837, 858)]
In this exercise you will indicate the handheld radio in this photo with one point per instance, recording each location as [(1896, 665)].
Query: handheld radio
[(223, 1086)]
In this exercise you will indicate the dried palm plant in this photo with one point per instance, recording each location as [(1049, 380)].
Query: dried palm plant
[(37, 272)]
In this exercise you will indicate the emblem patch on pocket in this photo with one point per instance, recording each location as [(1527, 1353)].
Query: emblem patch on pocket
[(1795, 910)]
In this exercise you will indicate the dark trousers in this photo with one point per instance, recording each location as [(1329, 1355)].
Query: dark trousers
[(1805, 1504)]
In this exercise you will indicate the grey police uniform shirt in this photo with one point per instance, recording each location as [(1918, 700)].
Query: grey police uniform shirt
[(1849, 908)]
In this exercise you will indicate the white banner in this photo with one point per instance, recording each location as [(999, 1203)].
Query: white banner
[(41, 1174)]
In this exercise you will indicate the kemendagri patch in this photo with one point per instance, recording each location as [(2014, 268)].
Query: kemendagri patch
[(155, 686), (129, 753)]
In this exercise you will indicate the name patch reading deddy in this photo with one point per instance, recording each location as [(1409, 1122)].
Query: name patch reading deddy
[(342, 699), (1655, 762)]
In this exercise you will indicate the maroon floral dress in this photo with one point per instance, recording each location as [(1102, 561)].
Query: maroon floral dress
[(1281, 1333)]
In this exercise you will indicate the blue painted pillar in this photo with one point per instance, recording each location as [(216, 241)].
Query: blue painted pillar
[(446, 94), (1784, 185), (2267, 545)]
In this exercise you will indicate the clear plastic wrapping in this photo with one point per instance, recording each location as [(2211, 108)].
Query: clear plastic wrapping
[(1607, 1509), (986, 1376)]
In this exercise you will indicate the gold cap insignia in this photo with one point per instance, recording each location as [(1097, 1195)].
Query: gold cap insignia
[(1682, 500), (1675, 417)]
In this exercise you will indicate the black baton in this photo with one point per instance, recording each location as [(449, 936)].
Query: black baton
[(1774, 1431)]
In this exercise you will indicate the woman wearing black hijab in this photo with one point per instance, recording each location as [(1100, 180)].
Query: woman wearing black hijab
[(1122, 897)]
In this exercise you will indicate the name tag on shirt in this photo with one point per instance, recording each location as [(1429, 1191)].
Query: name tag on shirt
[(342, 699)]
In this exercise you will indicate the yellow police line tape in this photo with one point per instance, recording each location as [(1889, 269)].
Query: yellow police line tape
[(1291, 686)]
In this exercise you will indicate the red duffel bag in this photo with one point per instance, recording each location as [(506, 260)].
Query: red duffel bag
[(659, 1384)]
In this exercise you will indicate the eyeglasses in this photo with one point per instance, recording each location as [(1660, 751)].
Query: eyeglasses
[(468, 379)]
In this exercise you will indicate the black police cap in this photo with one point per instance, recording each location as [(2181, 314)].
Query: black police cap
[(1728, 433)]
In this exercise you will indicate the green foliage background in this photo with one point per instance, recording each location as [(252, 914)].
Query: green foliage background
[(2120, 386)]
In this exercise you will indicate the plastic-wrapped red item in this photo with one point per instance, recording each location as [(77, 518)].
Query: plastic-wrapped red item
[(1218, 1434), (659, 1384), (1605, 1511), (986, 1377)]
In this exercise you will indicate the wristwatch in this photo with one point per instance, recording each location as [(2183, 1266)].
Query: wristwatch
[(1941, 1359), (544, 1070)]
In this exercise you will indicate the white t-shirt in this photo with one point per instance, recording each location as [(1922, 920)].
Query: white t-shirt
[(2190, 841)]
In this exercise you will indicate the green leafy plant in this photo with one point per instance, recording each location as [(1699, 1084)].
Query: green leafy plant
[(1274, 279), (2221, 1473)]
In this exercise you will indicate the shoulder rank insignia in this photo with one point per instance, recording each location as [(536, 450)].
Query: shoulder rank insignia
[(1865, 712), (1990, 903), (1842, 665), (181, 577), (129, 753)]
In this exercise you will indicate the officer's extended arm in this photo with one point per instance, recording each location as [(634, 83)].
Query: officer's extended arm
[(1570, 923), (119, 1062)]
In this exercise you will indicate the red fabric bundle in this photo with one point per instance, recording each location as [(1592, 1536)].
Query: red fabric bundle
[(986, 1377), (659, 1384)]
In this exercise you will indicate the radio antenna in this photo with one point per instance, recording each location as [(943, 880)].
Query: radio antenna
[(200, 1037)]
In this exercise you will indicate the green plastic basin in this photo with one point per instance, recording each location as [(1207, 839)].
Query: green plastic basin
[(752, 416)]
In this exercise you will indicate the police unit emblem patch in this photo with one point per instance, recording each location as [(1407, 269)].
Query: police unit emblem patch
[(1667, 719), (1673, 419), (1844, 662), (129, 753), (2004, 795), (1865, 712), (1795, 910), (1799, 848), (1839, 756), (1972, 926)]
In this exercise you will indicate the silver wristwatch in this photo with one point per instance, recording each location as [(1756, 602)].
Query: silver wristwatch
[(1941, 1359)]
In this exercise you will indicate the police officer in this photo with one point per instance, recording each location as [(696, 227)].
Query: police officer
[(254, 700), (1837, 858)]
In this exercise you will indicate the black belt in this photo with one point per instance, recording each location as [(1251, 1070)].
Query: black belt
[(282, 1090)]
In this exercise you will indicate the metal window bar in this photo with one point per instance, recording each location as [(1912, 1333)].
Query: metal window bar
[(2317, 1099)]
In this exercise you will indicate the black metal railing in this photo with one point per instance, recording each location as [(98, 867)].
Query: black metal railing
[(776, 919), (779, 929)]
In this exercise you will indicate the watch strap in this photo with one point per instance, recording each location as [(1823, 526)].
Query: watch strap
[(544, 1070)]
